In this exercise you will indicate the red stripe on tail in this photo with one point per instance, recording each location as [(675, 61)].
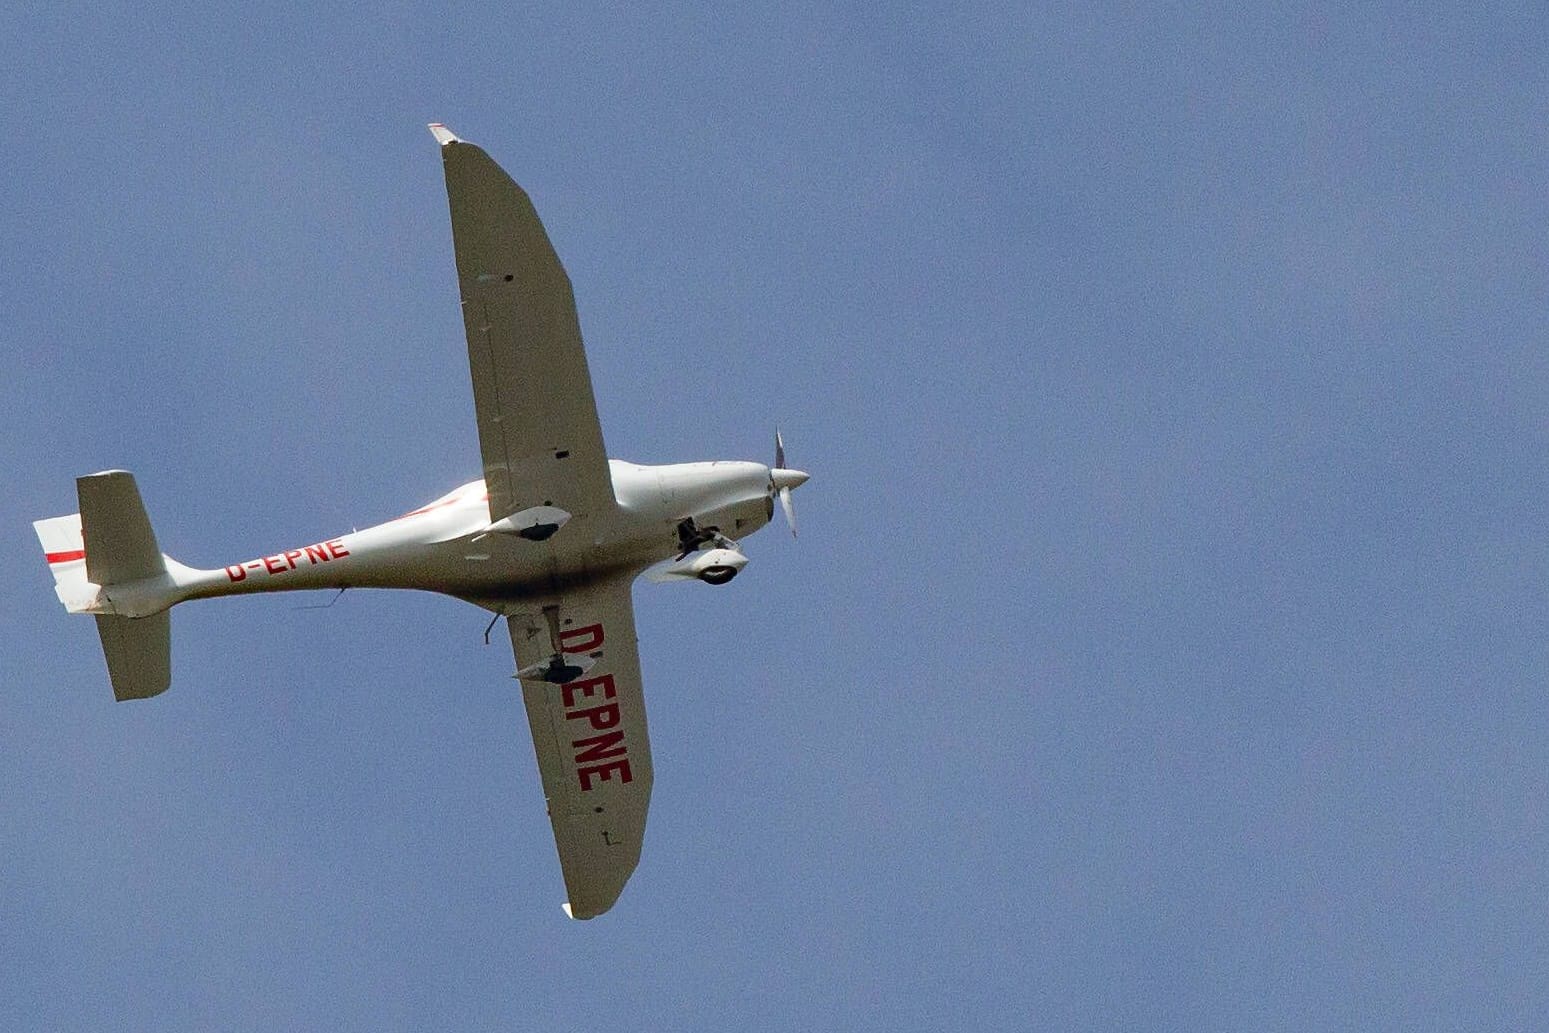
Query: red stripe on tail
[(65, 557)]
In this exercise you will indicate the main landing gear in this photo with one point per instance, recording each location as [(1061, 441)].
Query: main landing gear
[(692, 537), (561, 668)]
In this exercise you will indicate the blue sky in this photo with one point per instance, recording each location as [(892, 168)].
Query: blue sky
[(1165, 646)]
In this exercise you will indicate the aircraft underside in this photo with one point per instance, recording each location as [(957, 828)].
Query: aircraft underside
[(553, 538)]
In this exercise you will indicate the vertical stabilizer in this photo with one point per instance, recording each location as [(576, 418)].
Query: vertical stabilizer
[(65, 552)]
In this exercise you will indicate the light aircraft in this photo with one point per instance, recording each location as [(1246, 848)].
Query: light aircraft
[(552, 538)]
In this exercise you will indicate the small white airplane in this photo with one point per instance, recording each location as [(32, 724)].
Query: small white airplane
[(552, 538)]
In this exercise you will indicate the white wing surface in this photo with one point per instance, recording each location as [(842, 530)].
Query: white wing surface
[(590, 737), (538, 429)]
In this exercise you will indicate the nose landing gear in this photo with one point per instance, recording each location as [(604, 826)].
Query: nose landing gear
[(692, 537), (703, 553)]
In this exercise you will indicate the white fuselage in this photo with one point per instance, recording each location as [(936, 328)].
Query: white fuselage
[(445, 547)]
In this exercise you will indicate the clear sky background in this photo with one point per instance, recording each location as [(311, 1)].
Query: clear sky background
[(1167, 642)]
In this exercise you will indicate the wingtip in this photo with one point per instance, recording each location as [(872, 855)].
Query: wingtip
[(443, 135)]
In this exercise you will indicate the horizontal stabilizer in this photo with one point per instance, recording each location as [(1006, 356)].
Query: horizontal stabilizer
[(123, 546), (139, 654)]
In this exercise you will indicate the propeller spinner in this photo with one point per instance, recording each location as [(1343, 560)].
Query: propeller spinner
[(782, 480)]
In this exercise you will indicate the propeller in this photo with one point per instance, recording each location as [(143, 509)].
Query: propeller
[(782, 480)]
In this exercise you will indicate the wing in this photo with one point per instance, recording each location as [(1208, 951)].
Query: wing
[(538, 429), (590, 738)]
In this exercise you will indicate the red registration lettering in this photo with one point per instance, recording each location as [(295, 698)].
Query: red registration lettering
[(236, 573), (605, 773), (598, 747), (274, 564), (336, 548), (598, 758), (584, 687), (590, 638), (605, 716), (317, 554), (291, 556)]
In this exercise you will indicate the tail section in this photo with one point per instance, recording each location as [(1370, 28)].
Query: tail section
[(121, 577)]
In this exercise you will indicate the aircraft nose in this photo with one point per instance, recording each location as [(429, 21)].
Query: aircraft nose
[(787, 478)]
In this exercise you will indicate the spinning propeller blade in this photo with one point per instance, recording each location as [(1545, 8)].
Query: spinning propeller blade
[(790, 510)]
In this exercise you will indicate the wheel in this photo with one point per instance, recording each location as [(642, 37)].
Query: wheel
[(718, 575)]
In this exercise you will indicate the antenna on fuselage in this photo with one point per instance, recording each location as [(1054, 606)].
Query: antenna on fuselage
[(321, 606)]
